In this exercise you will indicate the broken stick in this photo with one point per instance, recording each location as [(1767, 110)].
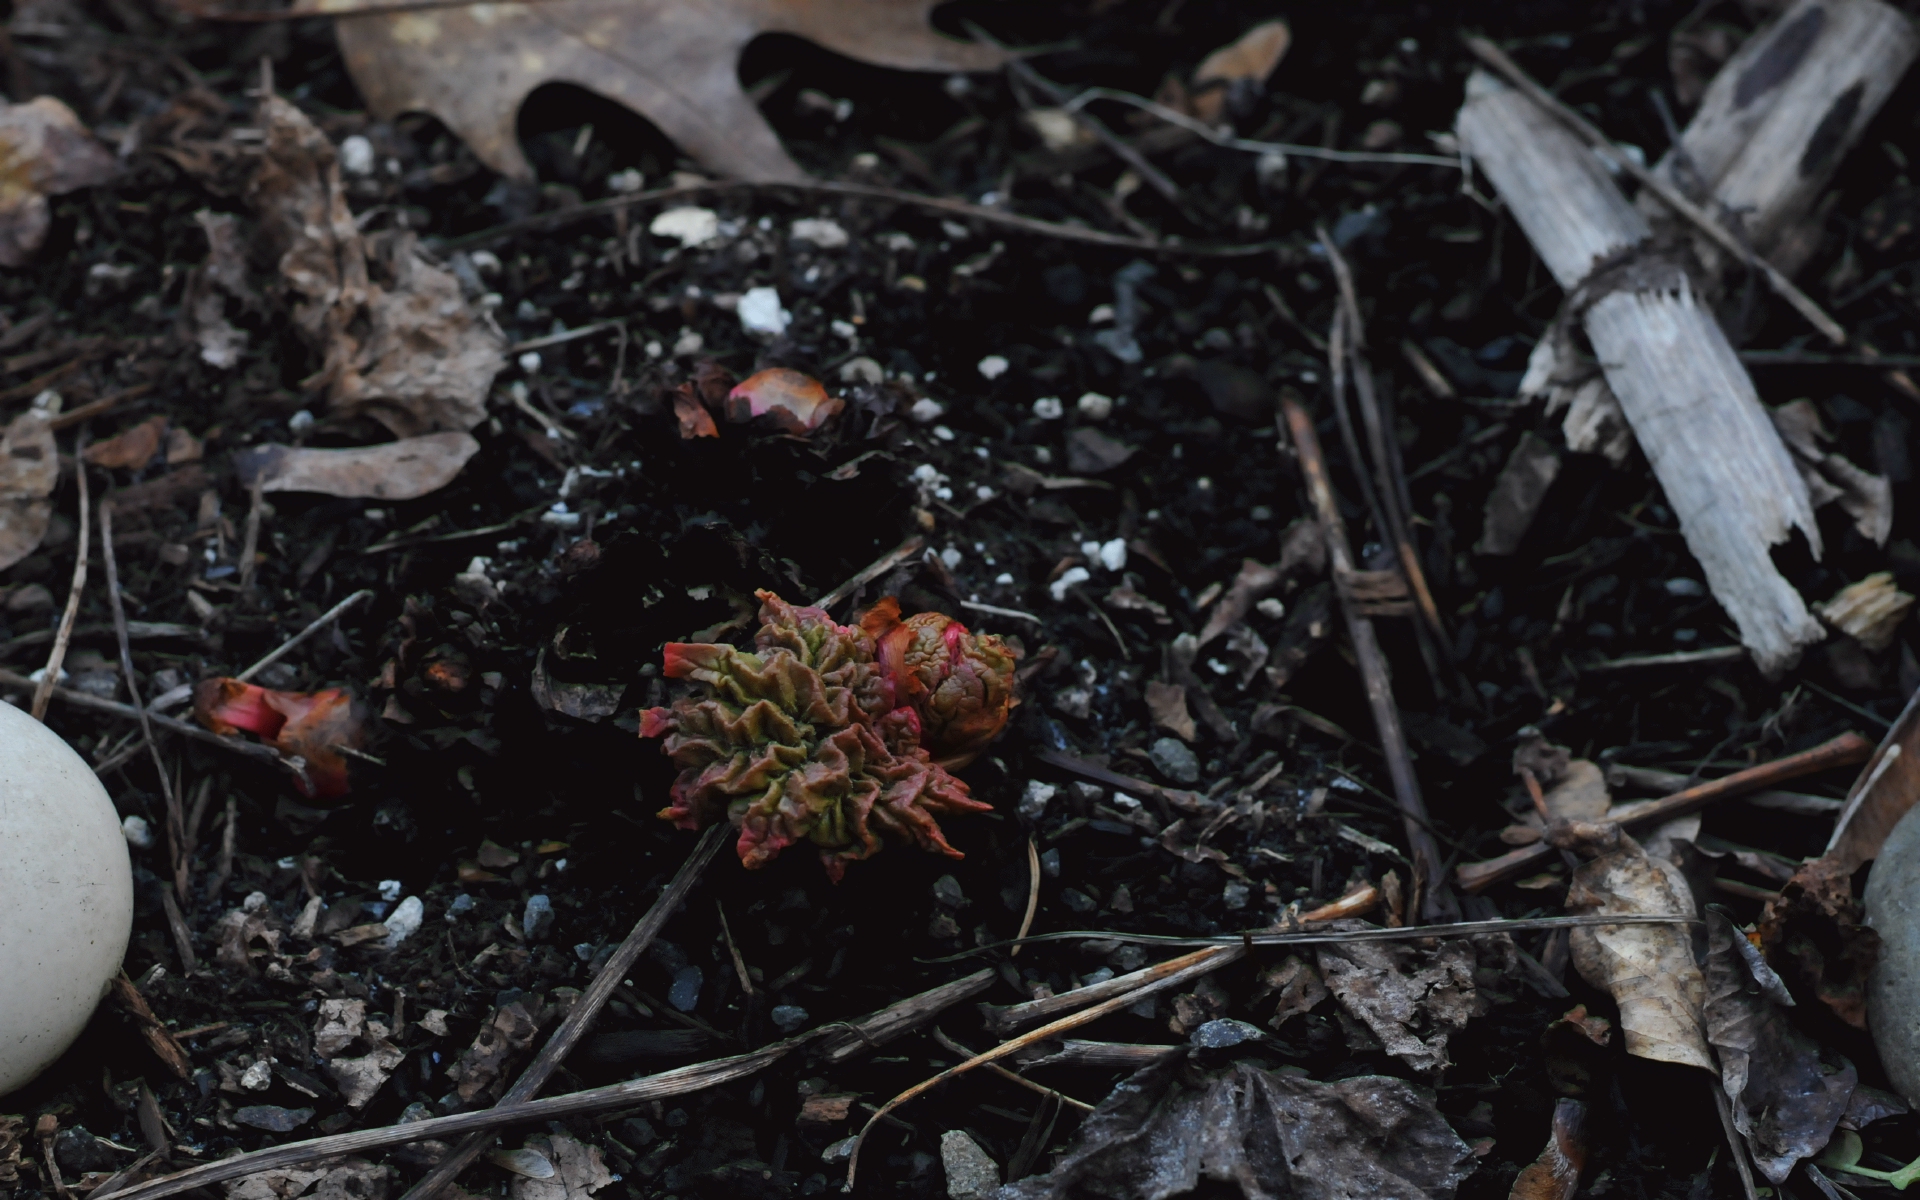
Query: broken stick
[(1724, 469), (1845, 750)]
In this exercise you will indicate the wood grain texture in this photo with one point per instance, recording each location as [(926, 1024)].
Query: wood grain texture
[(1778, 118), (1728, 477)]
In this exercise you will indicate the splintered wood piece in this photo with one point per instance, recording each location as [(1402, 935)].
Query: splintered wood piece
[(1726, 474), (1781, 114)]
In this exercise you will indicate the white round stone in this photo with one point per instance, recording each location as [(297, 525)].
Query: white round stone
[(66, 888)]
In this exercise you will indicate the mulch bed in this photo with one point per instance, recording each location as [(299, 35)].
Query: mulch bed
[(483, 796)]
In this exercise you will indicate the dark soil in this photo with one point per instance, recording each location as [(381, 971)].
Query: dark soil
[(671, 537)]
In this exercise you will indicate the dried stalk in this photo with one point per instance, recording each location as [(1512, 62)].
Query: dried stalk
[(43, 693), (873, 570), (1845, 750), (1195, 964), (1436, 898), (1698, 217), (588, 1007), (175, 820), (14, 681)]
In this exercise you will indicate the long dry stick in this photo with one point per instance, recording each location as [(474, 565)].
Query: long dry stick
[(1175, 972), (1698, 217), (176, 821), (43, 694), (1843, 751), (875, 1028), (1437, 902), (588, 1007), (315, 626)]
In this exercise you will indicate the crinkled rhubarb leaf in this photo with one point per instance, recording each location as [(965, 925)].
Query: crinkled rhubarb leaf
[(799, 740), (794, 402)]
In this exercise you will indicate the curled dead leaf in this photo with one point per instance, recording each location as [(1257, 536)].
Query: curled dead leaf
[(1167, 1126), (403, 470), (131, 449), (400, 342), (44, 151), (1869, 611), (1787, 1092), (314, 726), (1167, 703), (29, 467), (674, 63), (1412, 1000), (1649, 969)]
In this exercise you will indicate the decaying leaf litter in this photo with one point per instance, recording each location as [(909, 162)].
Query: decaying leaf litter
[(314, 352)]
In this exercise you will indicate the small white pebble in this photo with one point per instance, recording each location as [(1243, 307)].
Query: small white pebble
[(862, 370), (654, 350), (1095, 407), (300, 422), (1113, 554), (1003, 578), (1090, 549), (943, 493), (943, 433), (927, 409), (1271, 608), (993, 366), (139, 834), (390, 890), (843, 328), (951, 556), (690, 226), (761, 312), (1068, 578), (687, 343), (530, 361), (1049, 408), (983, 492), (823, 232), (485, 261), (356, 155), (926, 473), (1101, 315), (623, 182)]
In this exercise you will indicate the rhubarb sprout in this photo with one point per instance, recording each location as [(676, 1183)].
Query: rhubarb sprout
[(314, 726), (806, 738)]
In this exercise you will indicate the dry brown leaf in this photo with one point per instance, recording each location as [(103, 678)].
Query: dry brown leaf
[(1167, 1126), (675, 63), (130, 449), (1167, 703), (1246, 62), (44, 151), (1649, 969), (1555, 1175), (1862, 495), (482, 1068), (29, 467), (577, 1171), (1412, 1000), (1297, 986), (1788, 1093), (402, 470), (340, 1179), (400, 343)]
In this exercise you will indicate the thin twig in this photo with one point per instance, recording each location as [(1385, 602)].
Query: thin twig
[(1183, 969), (250, 540), (1437, 902), (1698, 217), (43, 693), (867, 191), (948, 1043), (678, 1082), (874, 570), (585, 1009), (1230, 142), (266, 754), (175, 821), (1033, 895), (316, 625)]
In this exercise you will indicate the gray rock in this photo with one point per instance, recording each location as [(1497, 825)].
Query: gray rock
[(684, 994), (1172, 758), (1893, 989), (1223, 1034), (537, 920), (971, 1172), (788, 1017)]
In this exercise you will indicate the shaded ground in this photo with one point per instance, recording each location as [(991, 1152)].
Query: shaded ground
[(667, 537)]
